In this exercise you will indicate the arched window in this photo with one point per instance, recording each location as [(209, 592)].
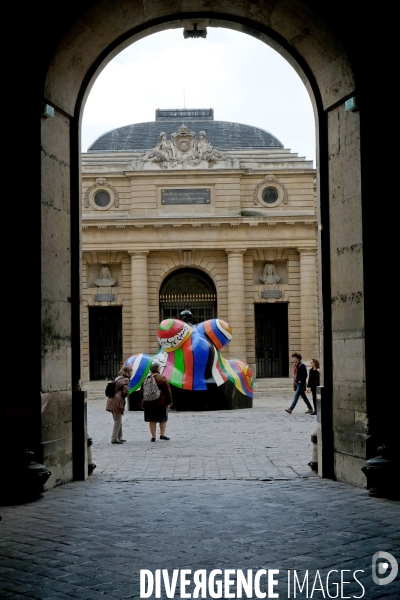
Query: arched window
[(188, 289)]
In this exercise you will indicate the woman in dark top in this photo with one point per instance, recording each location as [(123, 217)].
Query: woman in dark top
[(313, 382), (156, 411)]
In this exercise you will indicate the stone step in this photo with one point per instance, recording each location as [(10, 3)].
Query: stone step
[(270, 385), (95, 388), (260, 386)]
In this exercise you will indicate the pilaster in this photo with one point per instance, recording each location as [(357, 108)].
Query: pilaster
[(236, 303), (140, 302), (308, 304)]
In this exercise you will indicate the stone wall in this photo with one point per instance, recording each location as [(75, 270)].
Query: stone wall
[(350, 421)]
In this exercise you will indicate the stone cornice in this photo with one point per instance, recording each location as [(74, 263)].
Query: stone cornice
[(222, 245), (235, 250), (196, 222), (247, 173), (304, 215), (95, 174), (305, 249), (208, 225), (157, 175)]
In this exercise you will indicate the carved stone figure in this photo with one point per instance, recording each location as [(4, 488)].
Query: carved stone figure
[(163, 153), (205, 151), (105, 278), (167, 147), (269, 274)]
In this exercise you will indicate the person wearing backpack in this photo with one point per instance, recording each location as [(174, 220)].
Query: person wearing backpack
[(116, 403), (156, 408)]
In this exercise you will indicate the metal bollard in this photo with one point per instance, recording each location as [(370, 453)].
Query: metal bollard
[(325, 432), (314, 457), (381, 474), (24, 478), (91, 465)]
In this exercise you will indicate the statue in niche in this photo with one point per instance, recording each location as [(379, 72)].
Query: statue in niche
[(105, 278), (205, 151), (269, 274), (162, 154)]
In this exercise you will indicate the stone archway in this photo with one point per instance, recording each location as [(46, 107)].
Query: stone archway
[(188, 289), (94, 35)]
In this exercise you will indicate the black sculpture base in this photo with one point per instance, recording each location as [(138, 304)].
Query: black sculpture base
[(224, 397), (133, 402)]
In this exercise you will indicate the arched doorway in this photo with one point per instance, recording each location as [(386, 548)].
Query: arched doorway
[(188, 289), (75, 46)]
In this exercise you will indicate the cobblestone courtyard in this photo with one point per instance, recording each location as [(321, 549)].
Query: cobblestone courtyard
[(230, 490), (259, 443)]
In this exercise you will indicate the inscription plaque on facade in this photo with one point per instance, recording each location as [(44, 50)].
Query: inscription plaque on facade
[(104, 297), (271, 294), (185, 196)]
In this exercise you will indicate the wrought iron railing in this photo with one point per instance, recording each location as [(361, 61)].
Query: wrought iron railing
[(105, 363), (202, 306)]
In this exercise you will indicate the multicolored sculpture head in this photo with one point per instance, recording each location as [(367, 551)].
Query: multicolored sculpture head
[(172, 333)]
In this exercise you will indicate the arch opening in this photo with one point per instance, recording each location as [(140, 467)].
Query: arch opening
[(188, 289), (318, 49), (211, 307)]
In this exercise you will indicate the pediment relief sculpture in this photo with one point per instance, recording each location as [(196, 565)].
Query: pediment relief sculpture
[(269, 274), (183, 148)]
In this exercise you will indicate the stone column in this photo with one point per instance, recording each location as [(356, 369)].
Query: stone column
[(308, 305), (140, 302), (236, 304)]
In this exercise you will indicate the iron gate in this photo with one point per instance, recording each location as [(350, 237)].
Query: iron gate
[(272, 340), (202, 306), (105, 341)]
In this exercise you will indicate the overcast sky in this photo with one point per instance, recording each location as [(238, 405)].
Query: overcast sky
[(241, 78)]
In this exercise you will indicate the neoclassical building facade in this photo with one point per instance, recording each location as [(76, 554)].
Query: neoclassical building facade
[(187, 212)]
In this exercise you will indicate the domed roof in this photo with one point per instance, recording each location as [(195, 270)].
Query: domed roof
[(223, 135)]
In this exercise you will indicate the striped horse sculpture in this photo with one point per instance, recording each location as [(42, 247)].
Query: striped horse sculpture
[(200, 377)]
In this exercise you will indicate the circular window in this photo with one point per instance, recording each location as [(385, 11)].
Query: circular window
[(270, 192), (101, 198), (270, 195), (101, 195)]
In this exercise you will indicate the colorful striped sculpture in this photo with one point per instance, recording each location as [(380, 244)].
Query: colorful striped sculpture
[(190, 358)]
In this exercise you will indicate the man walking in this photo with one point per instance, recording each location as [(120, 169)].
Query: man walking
[(299, 384)]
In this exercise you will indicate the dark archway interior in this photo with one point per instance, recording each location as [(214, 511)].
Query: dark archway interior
[(188, 289), (187, 281)]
